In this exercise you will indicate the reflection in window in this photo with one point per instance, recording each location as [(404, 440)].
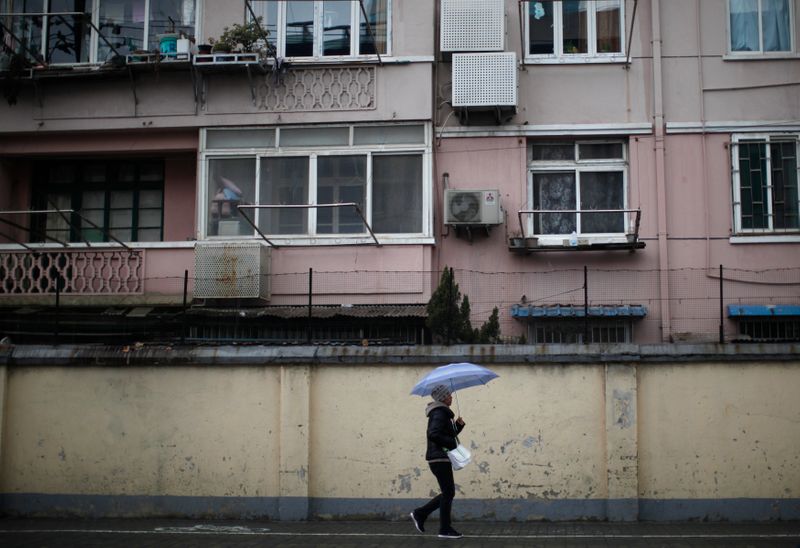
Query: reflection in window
[(299, 29), (69, 36), (341, 179), (336, 28), (284, 181), (233, 183), (268, 12), (122, 24), (576, 36), (397, 194), (378, 18), (170, 16)]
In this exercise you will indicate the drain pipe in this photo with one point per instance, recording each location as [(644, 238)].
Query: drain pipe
[(661, 191)]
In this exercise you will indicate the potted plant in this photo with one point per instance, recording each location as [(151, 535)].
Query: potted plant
[(240, 37)]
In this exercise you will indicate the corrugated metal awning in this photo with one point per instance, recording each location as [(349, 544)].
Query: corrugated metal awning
[(577, 311), (319, 311), (762, 310)]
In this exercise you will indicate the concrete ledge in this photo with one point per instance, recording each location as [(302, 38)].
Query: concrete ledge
[(274, 508), (150, 355)]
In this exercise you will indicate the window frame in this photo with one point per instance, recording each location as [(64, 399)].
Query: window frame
[(94, 39), (734, 54), (577, 327), (312, 236), (318, 33), (766, 138), (558, 56), (579, 166), (75, 190)]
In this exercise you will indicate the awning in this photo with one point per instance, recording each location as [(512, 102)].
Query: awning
[(762, 310), (577, 311)]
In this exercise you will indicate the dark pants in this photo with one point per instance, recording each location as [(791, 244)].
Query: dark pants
[(443, 501)]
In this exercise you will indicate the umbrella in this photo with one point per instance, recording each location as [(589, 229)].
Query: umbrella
[(455, 376)]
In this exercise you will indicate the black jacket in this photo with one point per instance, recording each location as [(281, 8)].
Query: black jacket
[(442, 432)]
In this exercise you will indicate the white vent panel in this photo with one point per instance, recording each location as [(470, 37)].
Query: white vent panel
[(484, 79), (472, 207), (231, 270), (472, 25)]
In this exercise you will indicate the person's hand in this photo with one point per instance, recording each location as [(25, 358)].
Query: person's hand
[(460, 421)]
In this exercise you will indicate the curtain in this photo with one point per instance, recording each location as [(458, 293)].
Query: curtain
[(744, 25), (775, 25)]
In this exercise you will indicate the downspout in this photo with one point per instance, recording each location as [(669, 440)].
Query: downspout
[(436, 190), (661, 191), (704, 147)]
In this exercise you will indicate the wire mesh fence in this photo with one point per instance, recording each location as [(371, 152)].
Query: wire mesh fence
[(690, 304)]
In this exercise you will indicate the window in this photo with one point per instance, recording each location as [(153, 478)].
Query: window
[(382, 169), (760, 26), (765, 183), (573, 332), (125, 25), (326, 28), (123, 198), (567, 30), (577, 177)]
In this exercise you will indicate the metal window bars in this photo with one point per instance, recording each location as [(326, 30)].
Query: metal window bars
[(65, 215), (357, 207)]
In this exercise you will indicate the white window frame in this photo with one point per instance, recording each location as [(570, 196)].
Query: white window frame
[(425, 236), (760, 53), (317, 55), (766, 138), (579, 166), (558, 56), (95, 40)]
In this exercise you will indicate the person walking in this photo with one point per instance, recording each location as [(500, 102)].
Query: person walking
[(441, 434)]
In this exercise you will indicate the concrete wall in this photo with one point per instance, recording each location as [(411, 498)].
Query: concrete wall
[(619, 433)]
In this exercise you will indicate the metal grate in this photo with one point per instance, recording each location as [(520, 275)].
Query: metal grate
[(472, 25), (231, 270), (484, 79)]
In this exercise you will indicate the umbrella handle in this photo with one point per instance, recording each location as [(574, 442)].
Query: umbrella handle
[(453, 391)]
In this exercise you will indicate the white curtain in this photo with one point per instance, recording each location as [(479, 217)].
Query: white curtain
[(775, 25), (744, 25)]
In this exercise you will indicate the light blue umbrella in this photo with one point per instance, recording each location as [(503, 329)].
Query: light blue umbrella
[(455, 376)]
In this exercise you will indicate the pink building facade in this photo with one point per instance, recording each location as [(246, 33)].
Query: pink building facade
[(363, 146)]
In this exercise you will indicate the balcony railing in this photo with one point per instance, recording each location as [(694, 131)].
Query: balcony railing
[(623, 230), (72, 271)]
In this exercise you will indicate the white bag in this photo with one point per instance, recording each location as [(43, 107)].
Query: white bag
[(459, 457)]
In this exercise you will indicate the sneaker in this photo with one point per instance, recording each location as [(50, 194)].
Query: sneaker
[(450, 533), (418, 523)]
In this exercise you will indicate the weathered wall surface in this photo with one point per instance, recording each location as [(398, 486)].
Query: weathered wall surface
[(591, 432)]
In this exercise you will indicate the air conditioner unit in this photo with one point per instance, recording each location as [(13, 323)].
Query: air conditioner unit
[(485, 79), (231, 270), (472, 207), (472, 25)]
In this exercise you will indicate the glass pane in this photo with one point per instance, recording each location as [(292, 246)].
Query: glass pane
[(284, 181), (752, 186), (170, 17), (149, 235), (602, 190), (93, 199), (554, 191), (27, 29), (121, 218), (553, 152), (61, 173), (609, 26), (241, 138), (299, 29), (378, 17), (126, 173), (300, 137), (397, 194), (744, 25), (341, 179), (336, 28), (576, 38), (776, 25), (231, 182), (58, 221), (122, 234), (68, 36), (122, 199), (122, 23), (540, 28), (150, 198), (784, 184), (151, 172), (267, 12), (94, 173), (388, 135), (600, 151), (149, 218)]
